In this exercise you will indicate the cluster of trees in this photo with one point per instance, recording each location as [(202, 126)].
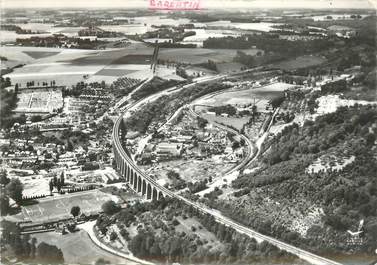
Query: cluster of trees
[(9, 188), (18, 29), (56, 182), (211, 65), (269, 43), (24, 198), (334, 87), (277, 101), (5, 82), (83, 88), (214, 194), (44, 83), (155, 85), (243, 58), (158, 110), (60, 41), (176, 45), (75, 211), (8, 103), (90, 187), (110, 207), (227, 109), (197, 186), (201, 122), (25, 248), (346, 124), (177, 182), (181, 72), (90, 166)]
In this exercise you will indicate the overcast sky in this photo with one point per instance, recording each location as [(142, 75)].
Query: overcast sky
[(204, 3)]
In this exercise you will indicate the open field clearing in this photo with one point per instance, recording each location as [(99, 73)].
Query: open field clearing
[(78, 248), (35, 185), (332, 162), (185, 226), (59, 206), (330, 103), (198, 55), (301, 62), (259, 95)]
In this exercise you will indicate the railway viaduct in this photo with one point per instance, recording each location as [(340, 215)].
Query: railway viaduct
[(138, 180), (146, 186)]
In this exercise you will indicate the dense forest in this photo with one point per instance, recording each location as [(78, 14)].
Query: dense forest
[(346, 195)]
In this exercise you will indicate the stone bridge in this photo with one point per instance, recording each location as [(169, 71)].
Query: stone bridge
[(146, 186), (138, 180)]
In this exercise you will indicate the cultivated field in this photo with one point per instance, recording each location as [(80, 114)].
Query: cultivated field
[(70, 66), (301, 62), (200, 55)]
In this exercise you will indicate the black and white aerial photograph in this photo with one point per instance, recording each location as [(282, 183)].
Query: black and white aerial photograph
[(188, 132)]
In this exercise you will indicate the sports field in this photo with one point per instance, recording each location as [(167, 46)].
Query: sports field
[(58, 207)]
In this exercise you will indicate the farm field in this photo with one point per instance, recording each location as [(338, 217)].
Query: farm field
[(300, 62), (59, 206), (66, 66), (70, 66), (201, 55), (78, 248)]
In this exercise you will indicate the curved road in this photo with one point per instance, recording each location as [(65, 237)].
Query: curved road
[(305, 255)]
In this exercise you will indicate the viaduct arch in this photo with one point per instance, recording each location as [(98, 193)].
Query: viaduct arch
[(147, 187)]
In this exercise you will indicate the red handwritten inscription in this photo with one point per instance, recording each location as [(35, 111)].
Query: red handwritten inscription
[(174, 4)]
